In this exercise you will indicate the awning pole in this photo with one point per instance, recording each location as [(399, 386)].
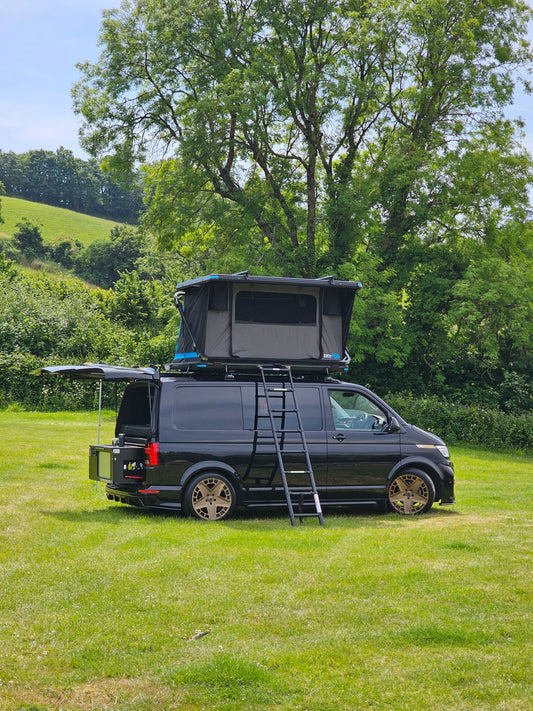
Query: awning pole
[(99, 409)]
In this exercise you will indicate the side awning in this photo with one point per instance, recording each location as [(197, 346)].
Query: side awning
[(101, 371)]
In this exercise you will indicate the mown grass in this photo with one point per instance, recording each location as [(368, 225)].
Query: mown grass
[(56, 223), (105, 607)]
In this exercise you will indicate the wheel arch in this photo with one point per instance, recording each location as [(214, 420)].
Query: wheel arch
[(424, 465), (212, 467)]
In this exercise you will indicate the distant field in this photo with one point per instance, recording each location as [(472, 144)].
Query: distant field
[(56, 223), (105, 607)]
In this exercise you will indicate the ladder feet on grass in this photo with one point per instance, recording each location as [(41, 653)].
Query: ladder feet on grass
[(286, 393)]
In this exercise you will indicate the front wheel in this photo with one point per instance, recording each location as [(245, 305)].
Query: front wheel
[(411, 492), (210, 497)]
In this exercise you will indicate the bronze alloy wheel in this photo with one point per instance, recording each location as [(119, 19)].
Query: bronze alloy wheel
[(411, 492), (211, 498)]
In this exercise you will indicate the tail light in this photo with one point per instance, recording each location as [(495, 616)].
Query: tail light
[(151, 454)]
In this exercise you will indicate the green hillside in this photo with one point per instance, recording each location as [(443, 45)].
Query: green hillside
[(56, 223)]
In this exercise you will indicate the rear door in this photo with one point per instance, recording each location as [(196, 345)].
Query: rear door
[(361, 450)]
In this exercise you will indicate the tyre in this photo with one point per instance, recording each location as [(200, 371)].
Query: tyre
[(210, 497), (411, 492)]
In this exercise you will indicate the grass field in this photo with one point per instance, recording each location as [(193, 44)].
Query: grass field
[(105, 607), (56, 223)]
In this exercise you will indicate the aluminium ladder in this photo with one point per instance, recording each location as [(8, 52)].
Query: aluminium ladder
[(280, 398)]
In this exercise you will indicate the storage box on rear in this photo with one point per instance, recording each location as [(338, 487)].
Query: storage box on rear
[(116, 465)]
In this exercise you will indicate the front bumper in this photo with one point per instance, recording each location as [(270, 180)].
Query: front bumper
[(447, 497)]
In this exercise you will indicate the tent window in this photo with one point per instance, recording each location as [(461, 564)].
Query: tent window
[(332, 303), (275, 308), (218, 297)]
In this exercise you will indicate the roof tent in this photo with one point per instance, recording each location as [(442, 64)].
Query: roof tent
[(239, 318)]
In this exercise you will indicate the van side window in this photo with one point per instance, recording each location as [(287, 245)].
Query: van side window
[(354, 411), (207, 408), (308, 404)]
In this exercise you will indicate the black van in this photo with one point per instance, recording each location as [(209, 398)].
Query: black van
[(202, 443)]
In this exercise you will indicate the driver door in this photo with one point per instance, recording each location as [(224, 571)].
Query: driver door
[(361, 450)]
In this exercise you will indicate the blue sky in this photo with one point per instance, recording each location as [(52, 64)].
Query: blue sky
[(40, 43)]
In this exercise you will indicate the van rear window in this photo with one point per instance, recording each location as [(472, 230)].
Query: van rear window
[(207, 408)]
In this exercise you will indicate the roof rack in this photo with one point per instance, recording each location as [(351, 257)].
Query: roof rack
[(233, 369)]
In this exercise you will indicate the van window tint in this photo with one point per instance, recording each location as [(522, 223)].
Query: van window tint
[(268, 307), (207, 408), (308, 404)]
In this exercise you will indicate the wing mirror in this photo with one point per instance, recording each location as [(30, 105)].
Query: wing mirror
[(393, 426)]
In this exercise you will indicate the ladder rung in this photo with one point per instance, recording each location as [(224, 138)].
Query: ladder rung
[(285, 409), (297, 471)]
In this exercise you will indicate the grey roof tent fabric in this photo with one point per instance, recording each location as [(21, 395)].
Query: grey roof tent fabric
[(237, 317)]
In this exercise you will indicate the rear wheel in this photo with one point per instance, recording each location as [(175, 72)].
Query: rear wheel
[(211, 497), (411, 492)]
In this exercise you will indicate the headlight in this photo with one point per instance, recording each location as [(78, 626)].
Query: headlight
[(443, 449)]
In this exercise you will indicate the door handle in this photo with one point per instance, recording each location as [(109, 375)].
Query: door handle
[(339, 437)]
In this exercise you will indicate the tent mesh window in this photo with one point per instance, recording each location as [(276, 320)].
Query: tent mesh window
[(272, 308)]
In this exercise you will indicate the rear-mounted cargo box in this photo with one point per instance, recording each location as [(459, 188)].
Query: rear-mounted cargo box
[(116, 465)]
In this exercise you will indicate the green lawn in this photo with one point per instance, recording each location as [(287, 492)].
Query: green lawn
[(56, 223), (105, 607)]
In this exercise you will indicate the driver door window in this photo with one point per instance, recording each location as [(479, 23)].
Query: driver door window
[(354, 411)]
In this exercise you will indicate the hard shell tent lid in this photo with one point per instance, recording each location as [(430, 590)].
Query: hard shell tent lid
[(238, 318)]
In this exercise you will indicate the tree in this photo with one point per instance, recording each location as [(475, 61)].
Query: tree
[(365, 138), (325, 124), (28, 239), (104, 260), (65, 181)]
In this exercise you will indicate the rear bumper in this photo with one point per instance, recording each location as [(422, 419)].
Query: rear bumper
[(145, 498)]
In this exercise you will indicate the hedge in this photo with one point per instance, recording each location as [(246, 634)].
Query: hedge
[(465, 423), (20, 385)]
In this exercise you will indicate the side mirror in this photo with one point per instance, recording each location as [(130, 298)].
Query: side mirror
[(393, 426)]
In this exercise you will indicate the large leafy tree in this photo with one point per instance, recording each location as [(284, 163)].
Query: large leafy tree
[(363, 137), (318, 125)]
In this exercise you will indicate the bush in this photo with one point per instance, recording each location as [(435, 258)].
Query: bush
[(28, 239), (466, 423), (19, 385), (104, 260)]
